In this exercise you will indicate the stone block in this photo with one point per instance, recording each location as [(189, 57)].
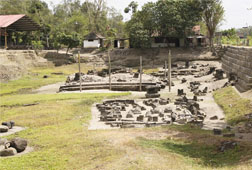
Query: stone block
[(229, 135), (155, 119), (3, 129), (140, 118), (156, 95), (19, 144), (8, 152), (217, 131)]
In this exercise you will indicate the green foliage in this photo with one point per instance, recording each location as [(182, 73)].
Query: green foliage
[(230, 33), (139, 37), (37, 45), (65, 18), (70, 40), (176, 18), (131, 7), (167, 18), (55, 40)]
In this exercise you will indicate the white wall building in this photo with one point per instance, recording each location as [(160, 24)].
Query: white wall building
[(93, 40)]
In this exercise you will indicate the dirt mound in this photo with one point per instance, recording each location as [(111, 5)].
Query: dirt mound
[(14, 63), (59, 59)]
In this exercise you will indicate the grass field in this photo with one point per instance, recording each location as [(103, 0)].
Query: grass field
[(57, 129), (35, 78), (233, 105)]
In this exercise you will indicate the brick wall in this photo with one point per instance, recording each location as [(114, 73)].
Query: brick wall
[(238, 60)]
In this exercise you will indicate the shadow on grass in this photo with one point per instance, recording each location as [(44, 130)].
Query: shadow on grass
[(204, 155)]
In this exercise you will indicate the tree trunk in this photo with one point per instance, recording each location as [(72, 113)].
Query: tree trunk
[(67, 50)]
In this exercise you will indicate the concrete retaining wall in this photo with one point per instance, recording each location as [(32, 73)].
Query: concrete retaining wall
[(238, 60)]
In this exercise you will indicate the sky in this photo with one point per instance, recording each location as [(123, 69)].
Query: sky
[(236, 13)]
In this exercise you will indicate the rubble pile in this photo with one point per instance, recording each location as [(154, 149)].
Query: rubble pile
[(198, 115), (197, 70), (149, 112), (12, 147), (194, 87), (6, 126)]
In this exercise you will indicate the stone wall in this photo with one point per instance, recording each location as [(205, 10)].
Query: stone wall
[(238, 61)]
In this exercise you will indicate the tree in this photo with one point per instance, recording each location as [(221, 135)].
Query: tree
[(213, 15), (115, 22), (70, 40), (165, 18), (96, 11), (131, 7), (138, 35)]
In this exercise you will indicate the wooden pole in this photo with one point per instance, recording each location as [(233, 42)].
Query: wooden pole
[(169, 71), (141, 68), (5, 34), (0, 36), (79, 70), (109, 71), (165, 71)]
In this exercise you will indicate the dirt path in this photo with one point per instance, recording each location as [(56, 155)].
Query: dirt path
[(246, 95), (48, 89)]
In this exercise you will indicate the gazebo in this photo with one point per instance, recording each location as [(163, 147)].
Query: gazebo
[(20, 22)]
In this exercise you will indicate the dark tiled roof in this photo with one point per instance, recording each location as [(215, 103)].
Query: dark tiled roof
[(93, 36)]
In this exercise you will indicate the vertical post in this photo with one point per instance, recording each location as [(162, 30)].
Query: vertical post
[(141, 68), (109, 71), (5, 34), (94, 68), (79, 71), (169, 71), (0, 36), (165, 71)]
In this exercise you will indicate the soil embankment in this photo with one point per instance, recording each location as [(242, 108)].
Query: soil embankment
[(14, 63), (157, 56)]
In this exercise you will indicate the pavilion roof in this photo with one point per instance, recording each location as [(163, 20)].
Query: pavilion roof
[(19, 22)]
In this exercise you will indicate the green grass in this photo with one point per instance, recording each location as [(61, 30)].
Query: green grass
[(57, 129), (56, 132), (29, 82), (206, 155), (233, 105), (21, 99), (35, 78)]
